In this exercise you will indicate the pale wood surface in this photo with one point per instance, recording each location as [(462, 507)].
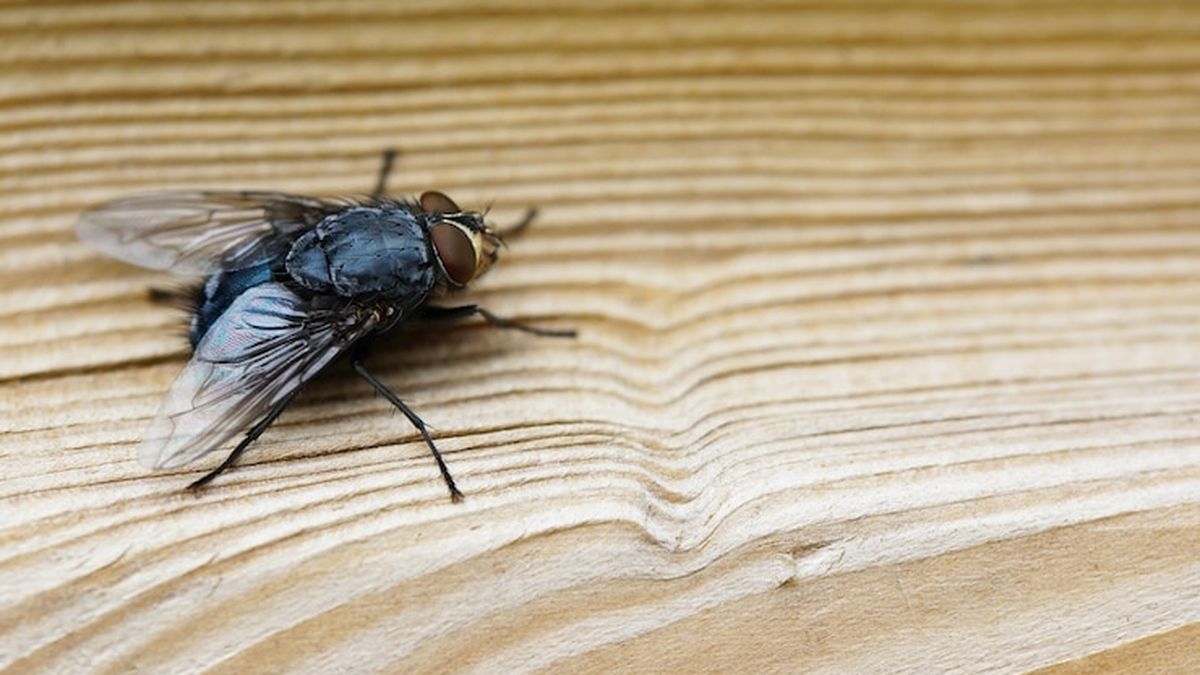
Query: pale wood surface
[(889, 361)]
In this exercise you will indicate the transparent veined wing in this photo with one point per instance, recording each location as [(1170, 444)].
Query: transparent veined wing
[(195, 232), (264, 346)]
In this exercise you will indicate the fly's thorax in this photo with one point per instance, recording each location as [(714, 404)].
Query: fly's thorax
[(377, 250)]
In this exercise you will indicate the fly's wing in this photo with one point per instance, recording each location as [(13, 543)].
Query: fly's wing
[(197, 232), (263, 347)]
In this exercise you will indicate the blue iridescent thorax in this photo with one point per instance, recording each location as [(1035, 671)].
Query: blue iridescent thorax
[(373, 252), (368, 250)]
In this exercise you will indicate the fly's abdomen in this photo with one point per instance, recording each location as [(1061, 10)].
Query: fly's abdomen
[(365, 251), (219, 292)]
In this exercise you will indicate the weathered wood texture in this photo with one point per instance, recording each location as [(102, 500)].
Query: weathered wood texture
[(889, 362)]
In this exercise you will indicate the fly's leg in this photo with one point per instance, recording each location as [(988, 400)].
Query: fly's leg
[(501, 322), (163, 295), (389, 158), (463, 311), (361, 369), (520, 226), (251, 436), (178, 297)]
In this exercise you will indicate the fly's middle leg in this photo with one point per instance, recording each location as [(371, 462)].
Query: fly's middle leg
[(385, 169), (361, 369)]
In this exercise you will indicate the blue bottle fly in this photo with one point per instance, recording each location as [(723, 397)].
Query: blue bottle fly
[(291, 283)]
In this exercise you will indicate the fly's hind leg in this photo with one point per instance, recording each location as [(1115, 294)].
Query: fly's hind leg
[(163, 295), (361, 369), (251, 436), (178, 297)]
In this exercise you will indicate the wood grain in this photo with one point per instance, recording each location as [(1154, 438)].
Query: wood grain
[(889, 355)]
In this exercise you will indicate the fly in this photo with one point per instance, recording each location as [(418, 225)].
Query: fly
[(291, 283)]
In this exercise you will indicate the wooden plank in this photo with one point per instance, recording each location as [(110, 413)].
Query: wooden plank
[(888, 361), (1162, 653)]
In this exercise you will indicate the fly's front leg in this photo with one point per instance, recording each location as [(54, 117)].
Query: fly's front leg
[(520, 226), (463, 311)]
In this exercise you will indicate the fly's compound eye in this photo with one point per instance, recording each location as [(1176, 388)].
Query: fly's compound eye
[(456, 250), (436, 202)]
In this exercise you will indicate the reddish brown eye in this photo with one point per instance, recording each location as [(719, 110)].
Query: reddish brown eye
[(455, 250), (436, 202)]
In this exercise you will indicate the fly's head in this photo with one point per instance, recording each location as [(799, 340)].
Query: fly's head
[(464, 246)]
